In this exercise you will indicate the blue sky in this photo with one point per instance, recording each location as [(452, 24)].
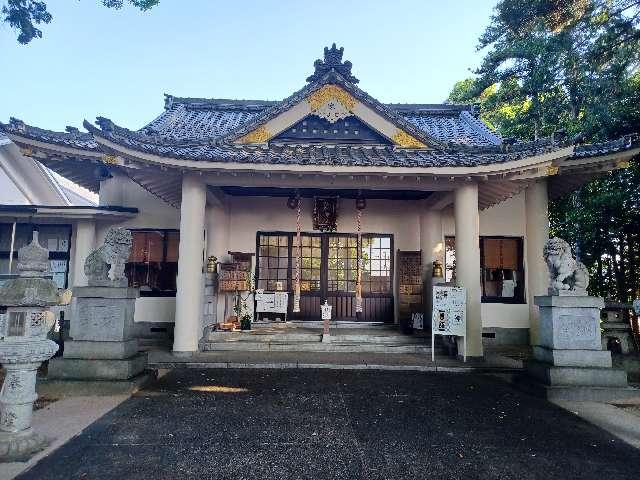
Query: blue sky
[(97, 61)]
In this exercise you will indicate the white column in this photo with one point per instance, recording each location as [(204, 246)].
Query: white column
[(468, 262), (432, 247), (190, 264), (83, 245), (537, 224)]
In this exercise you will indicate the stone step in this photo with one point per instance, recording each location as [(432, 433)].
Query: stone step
[(314, 347), (397, 339), (146, 344), (576, 376), (574, 393), (263, 337)]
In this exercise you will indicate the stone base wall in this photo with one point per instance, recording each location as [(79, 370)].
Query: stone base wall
[(494, 336)]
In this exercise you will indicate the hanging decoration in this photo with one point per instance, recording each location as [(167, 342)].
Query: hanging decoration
[(361, 203), (325, 214), (295, 203)]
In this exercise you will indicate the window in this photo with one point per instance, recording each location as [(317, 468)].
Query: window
[(153, 263), (376, 263), (55, 238), (273, 256), (342, 268), (310, 263), (501, 268)]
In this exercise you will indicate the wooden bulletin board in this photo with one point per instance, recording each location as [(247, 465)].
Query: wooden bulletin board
[(235, 276), (409, 283)]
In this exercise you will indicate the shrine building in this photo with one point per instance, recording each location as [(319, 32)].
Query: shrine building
[(375, 193)]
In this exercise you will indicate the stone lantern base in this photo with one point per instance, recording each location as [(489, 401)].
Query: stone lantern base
[(20, 446)]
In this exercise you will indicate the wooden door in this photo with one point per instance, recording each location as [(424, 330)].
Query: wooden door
[(328, 271)]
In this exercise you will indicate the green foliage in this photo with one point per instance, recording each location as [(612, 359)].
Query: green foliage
[(553, 64), (24, 15)]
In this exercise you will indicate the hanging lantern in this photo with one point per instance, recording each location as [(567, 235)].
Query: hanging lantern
[(437, 269), (212, 264), (293, 201), (361, 203)]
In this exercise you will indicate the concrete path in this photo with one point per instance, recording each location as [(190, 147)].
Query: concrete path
[(61, 421), (617, 421), (330, 424)]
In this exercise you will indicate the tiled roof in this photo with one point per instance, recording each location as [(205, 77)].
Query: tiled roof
[(282, 153), (605, 148), (200, 119), (72, 138), (219, 150)]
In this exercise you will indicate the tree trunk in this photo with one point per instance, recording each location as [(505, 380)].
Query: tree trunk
[(599, 274), (632, 259), (622, 280)]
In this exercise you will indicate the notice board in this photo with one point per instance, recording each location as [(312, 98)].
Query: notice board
[(449, 316)]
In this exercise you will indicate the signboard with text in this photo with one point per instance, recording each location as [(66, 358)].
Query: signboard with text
[(449, 316)]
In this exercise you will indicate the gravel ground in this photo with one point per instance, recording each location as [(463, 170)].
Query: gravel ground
[(312, 424)]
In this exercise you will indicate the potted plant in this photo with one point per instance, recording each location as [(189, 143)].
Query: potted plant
[(242, 312), (245, 321)]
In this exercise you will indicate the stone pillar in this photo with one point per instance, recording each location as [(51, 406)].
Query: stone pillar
[(190, 264), (537, 225), (432, 246), (85, 238), (468, 262)]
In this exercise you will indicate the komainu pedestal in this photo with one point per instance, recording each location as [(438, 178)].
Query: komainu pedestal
[(569, 362), (102, 346)]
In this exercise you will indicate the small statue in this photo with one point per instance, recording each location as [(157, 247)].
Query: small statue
[(105, 266), (566, 274)]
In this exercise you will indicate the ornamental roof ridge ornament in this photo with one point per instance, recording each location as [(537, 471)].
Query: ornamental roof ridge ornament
[(332, 61), (333, 77)]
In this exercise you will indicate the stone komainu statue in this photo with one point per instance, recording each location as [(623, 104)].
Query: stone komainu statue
[(105, 265), (566, 274)]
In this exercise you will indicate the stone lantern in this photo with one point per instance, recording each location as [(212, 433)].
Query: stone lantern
[(23, 347)]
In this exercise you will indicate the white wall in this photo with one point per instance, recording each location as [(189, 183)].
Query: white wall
[(154, 213), (236, 230), (155, 309), (506, 218)]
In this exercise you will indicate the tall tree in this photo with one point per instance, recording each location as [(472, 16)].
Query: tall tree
[(24, 15), (553, 64)]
